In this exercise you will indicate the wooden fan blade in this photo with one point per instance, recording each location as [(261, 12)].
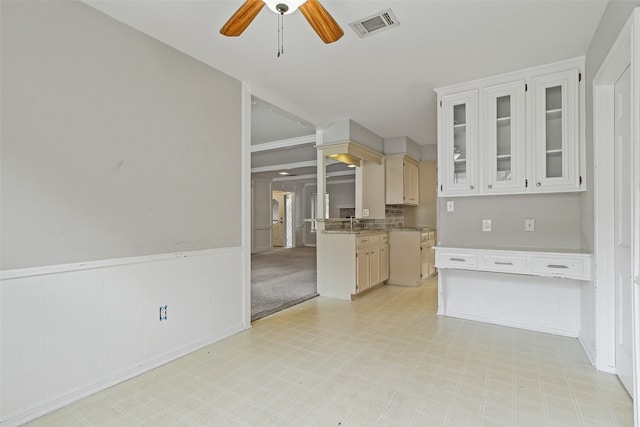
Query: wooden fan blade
[(242, 18), (323, 24)]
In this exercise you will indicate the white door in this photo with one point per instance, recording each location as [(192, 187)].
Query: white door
[(623, 195)]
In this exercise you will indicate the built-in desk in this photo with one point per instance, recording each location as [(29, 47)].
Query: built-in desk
[(537, 290)]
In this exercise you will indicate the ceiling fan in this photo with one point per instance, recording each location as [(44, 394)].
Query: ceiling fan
[(320, 20)]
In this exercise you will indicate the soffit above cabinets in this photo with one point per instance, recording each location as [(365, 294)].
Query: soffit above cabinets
[(350, 152)]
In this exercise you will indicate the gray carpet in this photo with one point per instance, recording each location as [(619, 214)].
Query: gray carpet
[(282, 278)]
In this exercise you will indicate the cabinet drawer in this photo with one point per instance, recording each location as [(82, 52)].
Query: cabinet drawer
[(559, 267), (456, 260), (371, 239), (506, 263), (428, 236)]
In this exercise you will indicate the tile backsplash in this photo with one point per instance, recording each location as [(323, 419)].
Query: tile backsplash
[(394, 217)]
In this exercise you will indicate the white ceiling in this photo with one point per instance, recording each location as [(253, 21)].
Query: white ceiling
[(269, 124), (384, 82)]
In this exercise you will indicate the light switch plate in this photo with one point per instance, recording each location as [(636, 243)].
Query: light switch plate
[(365, 212), (529, 224), (486, 225)]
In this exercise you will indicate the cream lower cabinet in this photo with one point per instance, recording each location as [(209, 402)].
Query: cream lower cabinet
[(362, 269), (384, 258), (372, 261), (411, 256), (351, 263)]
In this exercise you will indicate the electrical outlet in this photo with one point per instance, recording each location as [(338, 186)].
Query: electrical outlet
[(163, 312), (529, 224), (365, 213), (450, 206), (486, 225)]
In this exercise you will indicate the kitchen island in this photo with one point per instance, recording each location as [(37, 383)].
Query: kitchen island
[(351, 261)]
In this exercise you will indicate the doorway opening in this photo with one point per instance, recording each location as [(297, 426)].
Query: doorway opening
[(283, 164)]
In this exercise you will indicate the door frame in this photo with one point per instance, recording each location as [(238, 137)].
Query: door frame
[(624, 52), (248, 90)]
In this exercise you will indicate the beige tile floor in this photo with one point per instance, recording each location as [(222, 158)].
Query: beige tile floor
[(385, 359)]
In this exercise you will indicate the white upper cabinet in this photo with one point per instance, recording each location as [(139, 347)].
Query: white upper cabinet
[(554, 108), (458, 143), (504, 162), (516, 133)]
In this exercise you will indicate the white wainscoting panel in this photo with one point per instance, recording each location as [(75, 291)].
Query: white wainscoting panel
[(542, 304), (67, 333)]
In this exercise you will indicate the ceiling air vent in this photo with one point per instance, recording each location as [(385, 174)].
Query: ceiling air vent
[(375, 23)]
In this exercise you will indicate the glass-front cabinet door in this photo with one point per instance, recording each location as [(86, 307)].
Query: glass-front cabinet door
[(505, 138), (555, 136), (458, 158)]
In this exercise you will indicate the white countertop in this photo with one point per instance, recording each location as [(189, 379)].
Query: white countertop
[(513, 248)]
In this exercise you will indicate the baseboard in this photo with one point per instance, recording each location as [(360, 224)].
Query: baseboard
[(519, 325), (586, 351)]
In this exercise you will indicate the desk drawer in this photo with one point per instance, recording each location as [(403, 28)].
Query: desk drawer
[(559, 267), (504, 263), (451, 259)]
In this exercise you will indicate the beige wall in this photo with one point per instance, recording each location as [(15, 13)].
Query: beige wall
[(557, 219), (425, 214), (113, 144)]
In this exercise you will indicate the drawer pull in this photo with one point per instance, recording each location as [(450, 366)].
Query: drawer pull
[(457, 259), (557, 266), (503, 263)]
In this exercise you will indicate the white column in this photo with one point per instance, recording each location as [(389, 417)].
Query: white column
[(321, 181)]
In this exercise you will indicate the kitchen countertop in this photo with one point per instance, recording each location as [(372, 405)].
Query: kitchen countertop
[(377, 230), (511, 249), (413, 229), (360, 232)]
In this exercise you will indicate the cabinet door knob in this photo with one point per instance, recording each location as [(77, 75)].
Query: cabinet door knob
[(538, 184), (490, 186), (471, 187)]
